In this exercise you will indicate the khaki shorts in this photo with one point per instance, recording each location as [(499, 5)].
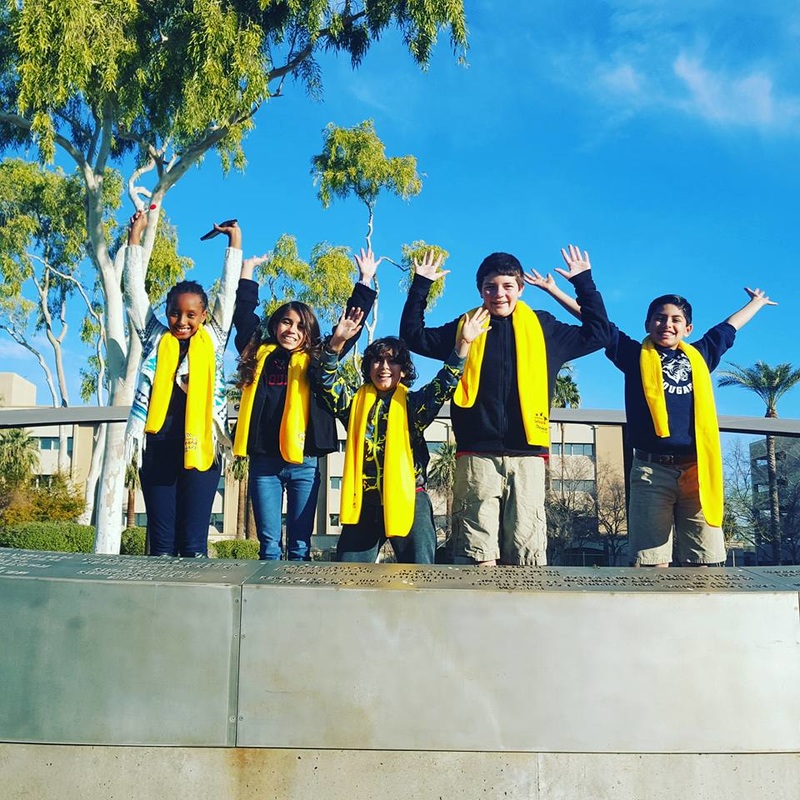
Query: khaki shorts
[(666, 499), (498, 509)]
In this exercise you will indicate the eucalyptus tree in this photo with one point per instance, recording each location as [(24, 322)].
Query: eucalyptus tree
[(160, 85), (770, 384), (353, 163)]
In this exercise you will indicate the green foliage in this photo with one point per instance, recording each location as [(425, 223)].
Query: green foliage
[(166, 267), (416, 251), (62, 537), (133, 541), (324, 283), (353, 162), (566, 394), (767, 382), (19, 457), (239, 549), (52, 500), (152, 72), (442, 469)]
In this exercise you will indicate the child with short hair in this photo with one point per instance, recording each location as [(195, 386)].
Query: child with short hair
[(500, 410), (676, 477), (386, 456)]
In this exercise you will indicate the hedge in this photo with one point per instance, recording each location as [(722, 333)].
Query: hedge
[(236, 548), (61, 537)]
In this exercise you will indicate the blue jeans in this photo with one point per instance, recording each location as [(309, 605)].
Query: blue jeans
[(269, 477), (362, 541), (178, 501)]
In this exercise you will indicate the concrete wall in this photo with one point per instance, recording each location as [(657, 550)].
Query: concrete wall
[(351, 681)]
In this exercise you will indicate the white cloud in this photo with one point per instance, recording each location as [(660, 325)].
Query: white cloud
[(731, 65)]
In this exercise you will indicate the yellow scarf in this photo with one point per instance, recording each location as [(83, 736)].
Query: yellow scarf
[(294, 422), (531, 373), (399, 483), (706, 430), (198, 447)]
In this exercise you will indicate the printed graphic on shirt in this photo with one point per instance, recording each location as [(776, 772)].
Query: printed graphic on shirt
[(677, 372), (277, 371)]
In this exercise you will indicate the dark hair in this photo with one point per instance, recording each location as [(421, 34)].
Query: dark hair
[(265, 334), (187, 287), (401, 355), (670, 300), (499, 264)]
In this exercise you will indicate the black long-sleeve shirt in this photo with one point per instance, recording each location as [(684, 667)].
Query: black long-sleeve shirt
[(494, 423)]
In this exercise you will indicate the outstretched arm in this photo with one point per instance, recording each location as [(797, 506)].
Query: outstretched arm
[(548, 284), (137, 303), (758, 299), (221, 313)]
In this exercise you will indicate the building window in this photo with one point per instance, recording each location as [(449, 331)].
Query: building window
[(573, 449), (336, 483), (334, 520)]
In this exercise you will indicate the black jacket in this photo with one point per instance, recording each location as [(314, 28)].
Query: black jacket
[(494, 423), (321, 436)]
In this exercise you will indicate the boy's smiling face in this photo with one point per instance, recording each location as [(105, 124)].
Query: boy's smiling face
[(500, 294), (667, 326), (384, 372)]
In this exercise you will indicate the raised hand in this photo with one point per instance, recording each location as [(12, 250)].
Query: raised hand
[(473, 327), (367, 265), (249, 265), (760, 296), (575, 262), (348, 326), (232, 230), (545, 282), (137, 224), (430, 265)]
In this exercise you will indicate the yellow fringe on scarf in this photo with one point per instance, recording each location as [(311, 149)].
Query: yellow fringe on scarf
[(399, 483), (198, 451), (294, 422), (706, 429), (531, 373)]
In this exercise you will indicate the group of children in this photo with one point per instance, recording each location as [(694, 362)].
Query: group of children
[(500, 362)]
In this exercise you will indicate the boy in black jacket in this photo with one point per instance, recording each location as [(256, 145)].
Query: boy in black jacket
[(501, 408)]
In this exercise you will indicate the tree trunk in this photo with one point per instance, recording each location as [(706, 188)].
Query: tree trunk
[(90, 489), (774, 502), (130, 515), (241, 509)]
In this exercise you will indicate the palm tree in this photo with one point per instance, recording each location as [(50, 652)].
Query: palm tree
[(565, 395), (19, 456), (131, 484), (770, 384), (240, 471)]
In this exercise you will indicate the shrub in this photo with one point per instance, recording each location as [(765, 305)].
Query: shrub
[(62, 537), (56, 500), (236, 548), (133, 541)]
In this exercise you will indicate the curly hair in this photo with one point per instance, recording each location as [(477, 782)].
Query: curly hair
[(398, 350), (265, 334), (187, 287)]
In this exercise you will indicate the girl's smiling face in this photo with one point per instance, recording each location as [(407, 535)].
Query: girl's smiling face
[(290, 331), (186, 313)]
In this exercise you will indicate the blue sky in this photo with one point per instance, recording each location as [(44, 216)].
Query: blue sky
[(660, 136)]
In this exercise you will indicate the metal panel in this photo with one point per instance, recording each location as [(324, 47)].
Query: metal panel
[(539, 660), (119, 650)]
